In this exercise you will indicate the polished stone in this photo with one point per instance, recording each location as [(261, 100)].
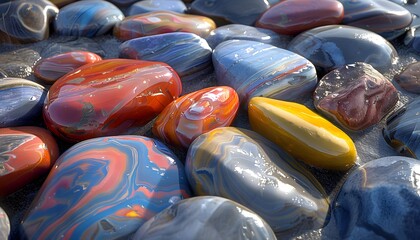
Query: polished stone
[(409, 78), (146, 6), (19, 63), (4, 225)]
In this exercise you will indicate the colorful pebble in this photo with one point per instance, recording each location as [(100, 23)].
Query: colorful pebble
[(26, 154), (105, 188), (409, 78), (109, 97), (243, 166), (303, 133), (196, 113), (146, 6)]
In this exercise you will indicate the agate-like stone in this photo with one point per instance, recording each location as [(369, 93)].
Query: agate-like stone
[(72, 44), (21, 102), (159, 22), (4, 225), (26, 21), (356, 96), (110, 97), (295, 16), (89, 18), (193, 218), (26, 153), (234, 11), (188, 54), (379, 200), (243, 166), (400, 131), (328, 48), (259, 69), (19, 63), (146, 6), (196, 113), (243, 32), (384, 17), (302, 133), (106, 188), (409, 78), (52, 68)]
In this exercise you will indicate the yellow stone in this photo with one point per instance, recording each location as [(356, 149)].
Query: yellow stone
[(303, 133)]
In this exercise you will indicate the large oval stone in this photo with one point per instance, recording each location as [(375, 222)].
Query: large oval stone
[(21, 102), (4, 225), (27, 153), (114, 96), (303, 133), (87, 18), (356, 96), (159, 22), (259, 69), (379, 200), (384, 17), (245, 167), (295, 16), (196, 113), (105, 188), (188, 54), (193, 218), (146, 6), (409, 78), (400, 131), (26, 21), (328, 48)]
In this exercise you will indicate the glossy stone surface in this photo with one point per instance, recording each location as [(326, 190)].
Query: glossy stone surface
[(207, 216), (356, 96), (188, 54), (380, 200), (26, 21), (384, 17), (303, 133), (52, 68), (89, 18), (295, 16), (401, 127), (328, 48), (19, 63), (242, 32), (114, 96), (146, 6), (4, 225), (159, 22), (124, 180), (26, 154), (259, 69), (21, 102), (235, 11), (71, 44), (243, 166), (409, 78), (196, 113)]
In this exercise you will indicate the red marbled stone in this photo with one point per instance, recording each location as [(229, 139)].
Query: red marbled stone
[(26, 153), (356, 95), (294, 16), (52, 68), (110, 97)]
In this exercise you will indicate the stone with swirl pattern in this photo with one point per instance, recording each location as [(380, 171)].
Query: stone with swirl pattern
[(196, 113), (105, 188), (245, 167), (110, 97)]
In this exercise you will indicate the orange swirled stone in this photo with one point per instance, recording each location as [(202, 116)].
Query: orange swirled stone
[(303, 133), (110, 97), (159, 22), (196, 113)]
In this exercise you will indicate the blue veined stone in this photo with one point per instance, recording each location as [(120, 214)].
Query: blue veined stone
[(334, 46), (188, 54), (401, 130), (260, 69), (379, 200), (21, 102), (88, 18), (146, 6), (244, 32)]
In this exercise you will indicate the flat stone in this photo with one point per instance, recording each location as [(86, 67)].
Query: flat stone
[(409, 78)]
